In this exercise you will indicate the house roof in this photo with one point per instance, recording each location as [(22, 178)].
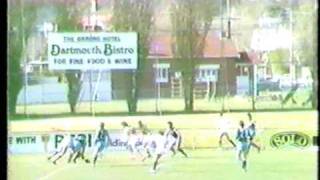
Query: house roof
[(162, 41), (100, 20), (160, 47), (251, 57)]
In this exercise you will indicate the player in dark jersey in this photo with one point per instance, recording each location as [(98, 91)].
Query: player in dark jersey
[(78, 149), (174, 139), (76, 145), (252, 131), (243, 144), (101, 141)]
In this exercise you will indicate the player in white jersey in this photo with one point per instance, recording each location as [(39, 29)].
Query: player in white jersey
[(62, 147), (146, 139), (101, 141), (66, 144), (126, 131), (243, 144), (174, 139), (133, 140), (224, 126), (131, 137), (161, 149)]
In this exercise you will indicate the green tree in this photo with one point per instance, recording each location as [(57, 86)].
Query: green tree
[(136, 16), (305, 42), (191, 21), (20, 24), (278, 60), (67, 19), (247, 14)]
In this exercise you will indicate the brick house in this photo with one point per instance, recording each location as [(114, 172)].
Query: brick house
[(217, 66)]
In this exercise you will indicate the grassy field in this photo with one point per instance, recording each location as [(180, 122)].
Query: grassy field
[(203, 164), (301, 120), (168, 105)]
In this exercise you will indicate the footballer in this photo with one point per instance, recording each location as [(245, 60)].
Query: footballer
[(224, 126), (174, 139), (252, 131), (101, 141), (161, 149), (243, 144)]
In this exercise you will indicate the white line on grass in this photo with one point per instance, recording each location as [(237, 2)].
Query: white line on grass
[(52, 173)]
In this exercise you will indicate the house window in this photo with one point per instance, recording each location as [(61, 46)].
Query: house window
[(161, 72), (207, 73), (242, 69)]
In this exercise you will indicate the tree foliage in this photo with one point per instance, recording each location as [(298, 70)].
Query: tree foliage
[(248, 14), (305, 33), (278, 60), (20, 24), (67, 19), (191, 22), (306, 42), (134, 16)]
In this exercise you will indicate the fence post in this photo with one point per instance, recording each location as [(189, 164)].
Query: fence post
[(253, 86), (91, 92)]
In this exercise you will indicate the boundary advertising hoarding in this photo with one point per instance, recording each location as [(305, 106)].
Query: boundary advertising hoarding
[(92, 50), (28, 143), (47, 143)]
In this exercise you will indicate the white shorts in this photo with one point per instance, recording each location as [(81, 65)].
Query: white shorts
[(147, 141), (172, 142), (223, 131), (160, 150), (132, 143), (243, 147)]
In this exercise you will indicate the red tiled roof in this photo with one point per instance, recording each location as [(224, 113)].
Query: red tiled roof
[(160, 47), (90, 20), (251, 57)]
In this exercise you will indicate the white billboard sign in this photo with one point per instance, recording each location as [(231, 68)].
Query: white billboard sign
[(92, 50), (47, 143)]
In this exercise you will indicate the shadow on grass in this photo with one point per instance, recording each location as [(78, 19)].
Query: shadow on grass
[(85, 114)]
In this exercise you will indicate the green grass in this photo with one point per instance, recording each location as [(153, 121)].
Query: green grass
[(303, 120), (277, 164), (167, 105), (204, 164)]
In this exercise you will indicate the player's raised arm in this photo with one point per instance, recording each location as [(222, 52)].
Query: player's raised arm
[(108, 136), (167, 132), (178, 133), (238, 134), (96, 135)]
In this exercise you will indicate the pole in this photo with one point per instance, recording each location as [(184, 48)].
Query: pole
[(158, 87), (254, 86), (292, 64), (24, 59), (91, 96), (223, 68), (93, 11), (157, 73)]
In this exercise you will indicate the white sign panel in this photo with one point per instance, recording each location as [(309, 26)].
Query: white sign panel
[(48, 143), (100, 50)]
